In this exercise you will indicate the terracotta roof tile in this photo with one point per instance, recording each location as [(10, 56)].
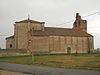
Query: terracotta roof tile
[(61, 32)]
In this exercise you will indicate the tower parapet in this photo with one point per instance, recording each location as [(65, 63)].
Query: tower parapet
[(80, 23)]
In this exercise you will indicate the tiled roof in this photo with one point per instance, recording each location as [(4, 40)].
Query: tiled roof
[(10, 37), (61, 32), (28, 20), (39, 32)]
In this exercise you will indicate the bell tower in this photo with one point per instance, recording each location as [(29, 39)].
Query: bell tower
[(80, 23)]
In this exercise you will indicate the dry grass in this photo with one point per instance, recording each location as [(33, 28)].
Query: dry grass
[(82, 61)]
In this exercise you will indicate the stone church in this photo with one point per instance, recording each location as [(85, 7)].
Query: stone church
[(34, 36)]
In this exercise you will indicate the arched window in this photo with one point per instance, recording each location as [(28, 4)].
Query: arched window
[(10, 45), (68, 50)]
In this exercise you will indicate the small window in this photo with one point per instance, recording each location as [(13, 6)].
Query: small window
[(10, 45), (75, 25)]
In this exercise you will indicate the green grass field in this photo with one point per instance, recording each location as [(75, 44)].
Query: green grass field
[(81, 61)]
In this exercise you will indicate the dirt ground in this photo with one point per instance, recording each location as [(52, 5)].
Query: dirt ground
[(5, 72)]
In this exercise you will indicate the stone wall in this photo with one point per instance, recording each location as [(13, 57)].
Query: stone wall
[(39, 44), (59, 44), (10, 43), (55, 44), (21, 35), (37, 26), (13, 52), (91, 44), (22, 32)]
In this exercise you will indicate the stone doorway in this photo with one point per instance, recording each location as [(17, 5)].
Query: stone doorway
[(69, 50)]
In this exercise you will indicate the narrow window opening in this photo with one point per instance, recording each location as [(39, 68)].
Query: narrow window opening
[(10, 45)]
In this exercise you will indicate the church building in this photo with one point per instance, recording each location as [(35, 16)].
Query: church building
[(34, 36)]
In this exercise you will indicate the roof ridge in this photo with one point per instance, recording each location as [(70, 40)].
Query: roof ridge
[(29, 20), (58, 27)]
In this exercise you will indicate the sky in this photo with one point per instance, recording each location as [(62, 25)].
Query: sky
[(53, 12)]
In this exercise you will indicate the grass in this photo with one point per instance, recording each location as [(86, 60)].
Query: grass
[(81, 61)]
